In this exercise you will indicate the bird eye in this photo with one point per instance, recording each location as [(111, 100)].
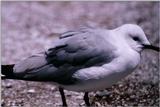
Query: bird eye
[(136, 38)]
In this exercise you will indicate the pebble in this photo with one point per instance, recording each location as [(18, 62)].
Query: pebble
[(2, 103), (31, 91), (103, 93), (53, 88), (57, 95), (79, 97), (8, 85)]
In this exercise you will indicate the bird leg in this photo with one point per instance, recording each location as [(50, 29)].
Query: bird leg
[(63, 96), (86, 99)]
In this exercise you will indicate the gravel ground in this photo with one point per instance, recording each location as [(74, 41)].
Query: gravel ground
[(31, 27)]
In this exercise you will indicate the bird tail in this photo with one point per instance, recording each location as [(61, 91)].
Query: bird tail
[(7, 72)]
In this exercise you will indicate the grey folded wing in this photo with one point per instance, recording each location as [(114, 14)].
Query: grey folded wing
[(34, 68), (72, 52)]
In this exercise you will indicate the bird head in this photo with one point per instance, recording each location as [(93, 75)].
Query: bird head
[(136, 38)]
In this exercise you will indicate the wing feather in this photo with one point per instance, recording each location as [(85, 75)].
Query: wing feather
[(73, 51)]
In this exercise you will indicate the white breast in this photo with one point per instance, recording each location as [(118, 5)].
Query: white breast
[(106, 75)]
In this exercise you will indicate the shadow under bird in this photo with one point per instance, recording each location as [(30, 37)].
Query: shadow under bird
[(84, 60)]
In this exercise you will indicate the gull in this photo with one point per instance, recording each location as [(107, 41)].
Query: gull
[(84, 60)]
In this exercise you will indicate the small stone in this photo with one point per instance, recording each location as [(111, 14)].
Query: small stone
[(79, 97), (82, 104), (103, 93), (98, 104), (120, 85), (57, 95), (53, 88), (8, 85), (2, 103), (31, 91), (49, 103)]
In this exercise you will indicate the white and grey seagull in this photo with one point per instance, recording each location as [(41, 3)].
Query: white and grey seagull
[(84, 60)]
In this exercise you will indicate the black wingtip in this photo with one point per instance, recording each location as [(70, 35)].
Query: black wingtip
[(7, 71)]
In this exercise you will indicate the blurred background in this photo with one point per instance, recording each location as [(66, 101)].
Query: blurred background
[(30, 27)]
